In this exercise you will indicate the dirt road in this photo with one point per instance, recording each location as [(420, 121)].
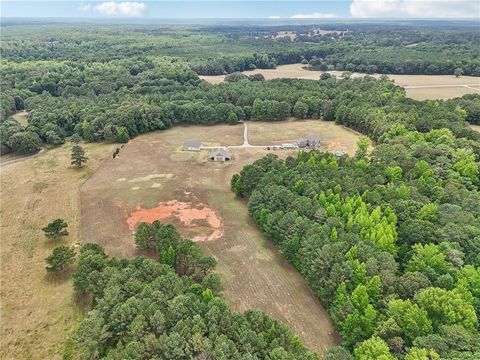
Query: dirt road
[(152, 170)]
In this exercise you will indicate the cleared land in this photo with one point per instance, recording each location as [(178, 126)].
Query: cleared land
[(475, 127), (419, 87), (333, 137), (39, 311), (21, 117), (284, 34), (153, 173)]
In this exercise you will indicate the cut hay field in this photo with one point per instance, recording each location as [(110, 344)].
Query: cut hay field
[(153, 177), (419, 87), (333, 137), (38, 311)]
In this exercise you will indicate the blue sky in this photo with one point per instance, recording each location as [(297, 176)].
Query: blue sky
[(313, 9)]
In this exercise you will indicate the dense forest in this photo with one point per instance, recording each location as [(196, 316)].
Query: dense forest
[(388, 240), (113, 82), (400, 48), (168, 309), (118, 100)]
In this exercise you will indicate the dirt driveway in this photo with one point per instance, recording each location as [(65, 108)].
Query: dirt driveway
[(152, 170)]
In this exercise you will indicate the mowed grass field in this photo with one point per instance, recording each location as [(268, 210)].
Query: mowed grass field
[(152, 169), (419, 87), (38, 312), (332, 136)]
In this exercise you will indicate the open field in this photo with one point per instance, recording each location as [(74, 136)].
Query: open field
[(38, 311), (294, 71), (419, 87), (439, 93), (152, 177), (333, 137), (475, 127), (21, 117)]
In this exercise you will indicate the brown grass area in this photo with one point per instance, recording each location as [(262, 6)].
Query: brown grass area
[(38, 311), (332, 136), (440, 86), (475, 127), (254, 273), (440, 93)]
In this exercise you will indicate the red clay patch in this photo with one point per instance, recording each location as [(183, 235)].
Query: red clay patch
[(189, 216)]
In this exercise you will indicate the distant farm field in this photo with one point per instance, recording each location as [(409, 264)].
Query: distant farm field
[(39, 311), (419, 87), (154, 178), (475, 127)]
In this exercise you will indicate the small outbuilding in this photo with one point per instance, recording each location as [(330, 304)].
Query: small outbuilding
[(221, 154), (192, 145)]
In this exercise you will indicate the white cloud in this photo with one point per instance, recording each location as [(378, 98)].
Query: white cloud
[(415, 8), (274, 17), (84, 7), (126, 8), (315, 15)]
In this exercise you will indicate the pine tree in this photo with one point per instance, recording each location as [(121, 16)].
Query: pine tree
[(78, 156)]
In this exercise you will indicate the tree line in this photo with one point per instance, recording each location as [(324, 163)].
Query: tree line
[(388, 240), (168, 309), (417, 48), (121, 99)]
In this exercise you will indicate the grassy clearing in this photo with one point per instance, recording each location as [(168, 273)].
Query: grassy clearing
[(475, 127), (38, 311), (254, 274), (439, 93), (332, 136), (439, 86), (21, 117)]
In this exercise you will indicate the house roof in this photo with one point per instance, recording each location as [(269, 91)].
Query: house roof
[(192, 144), (220, 152)]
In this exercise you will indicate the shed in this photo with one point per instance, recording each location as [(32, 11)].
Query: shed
[(221, 154), (192, 145)]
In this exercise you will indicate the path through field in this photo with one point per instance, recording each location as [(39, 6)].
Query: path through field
[(152, 170)]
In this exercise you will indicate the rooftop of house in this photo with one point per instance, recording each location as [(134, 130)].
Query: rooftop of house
[(192, 144), (221, 152)]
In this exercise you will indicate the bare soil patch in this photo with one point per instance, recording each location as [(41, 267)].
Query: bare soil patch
[(253, 272), (188, 217)]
